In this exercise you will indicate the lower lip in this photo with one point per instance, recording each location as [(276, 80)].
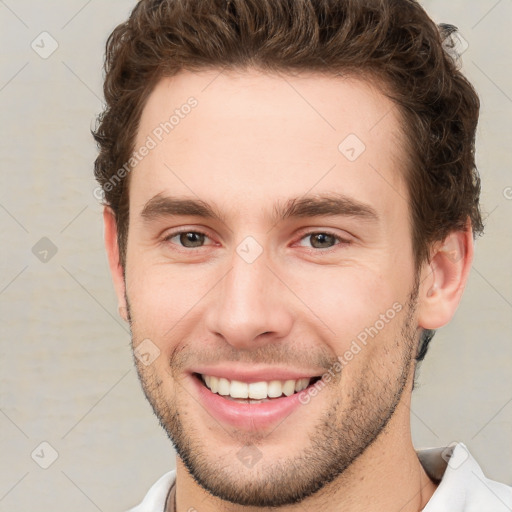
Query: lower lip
[(243, 415)]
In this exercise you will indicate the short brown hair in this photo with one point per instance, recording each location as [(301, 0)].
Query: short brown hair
[(393, 41)]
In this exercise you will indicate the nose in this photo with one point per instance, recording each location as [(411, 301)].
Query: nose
[(248, 303)]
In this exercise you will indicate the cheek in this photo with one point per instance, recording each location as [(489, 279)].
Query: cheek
[(365, 312), (348, 300), (162, 295)]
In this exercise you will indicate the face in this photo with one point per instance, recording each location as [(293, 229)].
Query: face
[(269, 246)]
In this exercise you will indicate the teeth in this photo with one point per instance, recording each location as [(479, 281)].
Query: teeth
[(255, 390), (223, 386), (289, 387), (239, 389), (213, 384), (301, 384), (275, 389)]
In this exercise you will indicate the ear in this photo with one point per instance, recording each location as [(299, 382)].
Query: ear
[(116, 269), (443, 279)]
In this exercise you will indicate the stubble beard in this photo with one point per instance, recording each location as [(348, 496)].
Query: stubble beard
[(339, 437)]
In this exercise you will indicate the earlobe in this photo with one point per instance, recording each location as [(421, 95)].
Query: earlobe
[(116, 268), (123, 313), (444, 278)]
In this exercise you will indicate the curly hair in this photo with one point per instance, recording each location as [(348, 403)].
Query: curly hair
[(393, 42)]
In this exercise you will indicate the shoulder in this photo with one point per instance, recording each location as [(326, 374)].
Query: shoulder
[(154, 501)]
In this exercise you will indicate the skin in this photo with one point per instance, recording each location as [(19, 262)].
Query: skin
[(254, 141)]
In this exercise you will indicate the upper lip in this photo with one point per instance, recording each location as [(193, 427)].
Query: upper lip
[(250, 374)]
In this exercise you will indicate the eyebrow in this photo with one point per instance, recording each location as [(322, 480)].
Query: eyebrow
[(331, 204)]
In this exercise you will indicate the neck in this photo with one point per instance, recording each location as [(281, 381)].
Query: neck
[(387, 477)]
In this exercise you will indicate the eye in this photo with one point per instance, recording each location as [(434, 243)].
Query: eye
[(321, 240), (324, 239), (187, 239)]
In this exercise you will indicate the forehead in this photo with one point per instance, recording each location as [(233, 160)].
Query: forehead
[(243, 138)]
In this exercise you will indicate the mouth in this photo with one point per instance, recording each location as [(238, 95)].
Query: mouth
[(254, 392)]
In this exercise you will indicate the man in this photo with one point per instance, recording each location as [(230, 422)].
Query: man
[(290, 205)]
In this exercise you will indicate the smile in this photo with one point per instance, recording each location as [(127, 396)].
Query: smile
[(256, 405), (254, 392)]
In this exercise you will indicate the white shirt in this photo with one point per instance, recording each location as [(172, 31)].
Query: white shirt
[(463, 486)]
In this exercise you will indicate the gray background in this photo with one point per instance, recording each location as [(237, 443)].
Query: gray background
[(66, 373)]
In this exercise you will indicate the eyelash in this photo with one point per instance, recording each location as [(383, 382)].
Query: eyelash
[(342, 241)]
